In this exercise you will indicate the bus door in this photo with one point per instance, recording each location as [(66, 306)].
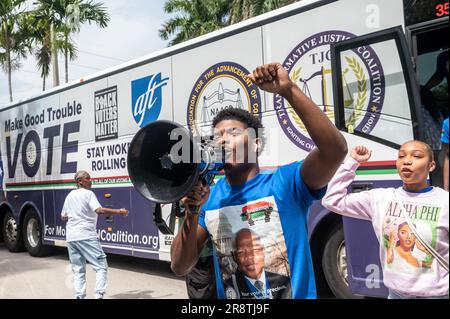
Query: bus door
[(429, 47), (2, 195), (115, 231), (376, 104)]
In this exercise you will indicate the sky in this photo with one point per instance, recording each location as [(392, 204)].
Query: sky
[(131, 33)]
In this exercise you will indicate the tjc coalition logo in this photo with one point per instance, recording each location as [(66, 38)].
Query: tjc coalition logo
[(363, 81), (221, 86), (146, 98)]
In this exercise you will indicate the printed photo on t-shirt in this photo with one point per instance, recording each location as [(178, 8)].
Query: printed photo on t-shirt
[(251, 250), (404, 253)]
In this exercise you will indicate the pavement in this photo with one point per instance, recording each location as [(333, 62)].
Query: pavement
[(26, 277)]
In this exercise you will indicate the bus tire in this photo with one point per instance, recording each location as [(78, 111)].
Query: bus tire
[(12, 235), (334, 264), (33, 235)]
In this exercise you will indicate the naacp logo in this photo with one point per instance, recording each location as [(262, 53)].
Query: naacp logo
[(221, 86), (363, 79), (146, 98)]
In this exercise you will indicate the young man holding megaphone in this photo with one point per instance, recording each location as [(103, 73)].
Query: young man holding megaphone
[(273, 259)]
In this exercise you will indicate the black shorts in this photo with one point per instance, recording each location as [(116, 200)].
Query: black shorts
[(201, 281)]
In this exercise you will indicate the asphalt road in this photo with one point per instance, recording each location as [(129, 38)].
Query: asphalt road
[(26, 277)]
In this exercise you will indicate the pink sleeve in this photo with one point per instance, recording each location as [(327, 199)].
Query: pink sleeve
[(337, 199)]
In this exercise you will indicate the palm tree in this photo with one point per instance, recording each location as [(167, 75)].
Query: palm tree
[(39, 34), (240, 10), (14, 43), (244, 9), (263, 6), (43, 57), (195, 18), (76, 13), (63, 18), (47, 21), (38, 30)]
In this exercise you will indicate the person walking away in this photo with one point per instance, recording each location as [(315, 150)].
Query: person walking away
[(81, 209)]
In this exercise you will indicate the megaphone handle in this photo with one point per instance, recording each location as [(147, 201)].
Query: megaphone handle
[(194, 209)]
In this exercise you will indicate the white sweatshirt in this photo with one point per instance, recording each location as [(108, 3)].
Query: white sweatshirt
[(407, 267)]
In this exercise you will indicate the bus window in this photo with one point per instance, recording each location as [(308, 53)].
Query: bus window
[(374, 93)]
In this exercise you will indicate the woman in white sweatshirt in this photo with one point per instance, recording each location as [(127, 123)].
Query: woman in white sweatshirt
[(410, 270)]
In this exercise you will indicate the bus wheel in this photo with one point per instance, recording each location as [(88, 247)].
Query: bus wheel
[(12, 234), (334, 264), (32, 233)]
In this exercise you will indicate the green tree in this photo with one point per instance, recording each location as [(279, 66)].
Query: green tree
[(37, 29), (60, 19), (244, 9), (14, 43), (39, 33), (240, 10), (43, 57), (193, 18), (77, 13)]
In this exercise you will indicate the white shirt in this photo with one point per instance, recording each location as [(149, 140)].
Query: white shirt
[(262, 279), (79, 207)]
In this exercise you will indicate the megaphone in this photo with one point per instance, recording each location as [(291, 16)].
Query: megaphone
[(165, 161)]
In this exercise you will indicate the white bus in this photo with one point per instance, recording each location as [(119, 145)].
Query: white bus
[(349, 56)]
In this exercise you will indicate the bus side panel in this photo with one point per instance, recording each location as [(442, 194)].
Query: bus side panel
[(49, 216), (364, 270), (142, 210), (18, 199), (115, 230)]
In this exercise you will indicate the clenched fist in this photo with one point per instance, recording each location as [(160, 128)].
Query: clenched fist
[(272, 78), (361, 154)]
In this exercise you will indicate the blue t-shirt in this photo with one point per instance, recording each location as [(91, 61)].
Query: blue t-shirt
[(260, 235), (444, 135)]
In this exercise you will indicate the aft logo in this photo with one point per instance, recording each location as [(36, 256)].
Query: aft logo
[(146, 98), (309, 66), (221, 86)]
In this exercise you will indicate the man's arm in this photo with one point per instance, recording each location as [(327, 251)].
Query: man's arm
[(321, 163), (97, 208), (111, 211), (188, 243)]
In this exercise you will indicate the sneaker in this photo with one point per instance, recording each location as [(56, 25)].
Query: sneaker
[(99, 295)]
